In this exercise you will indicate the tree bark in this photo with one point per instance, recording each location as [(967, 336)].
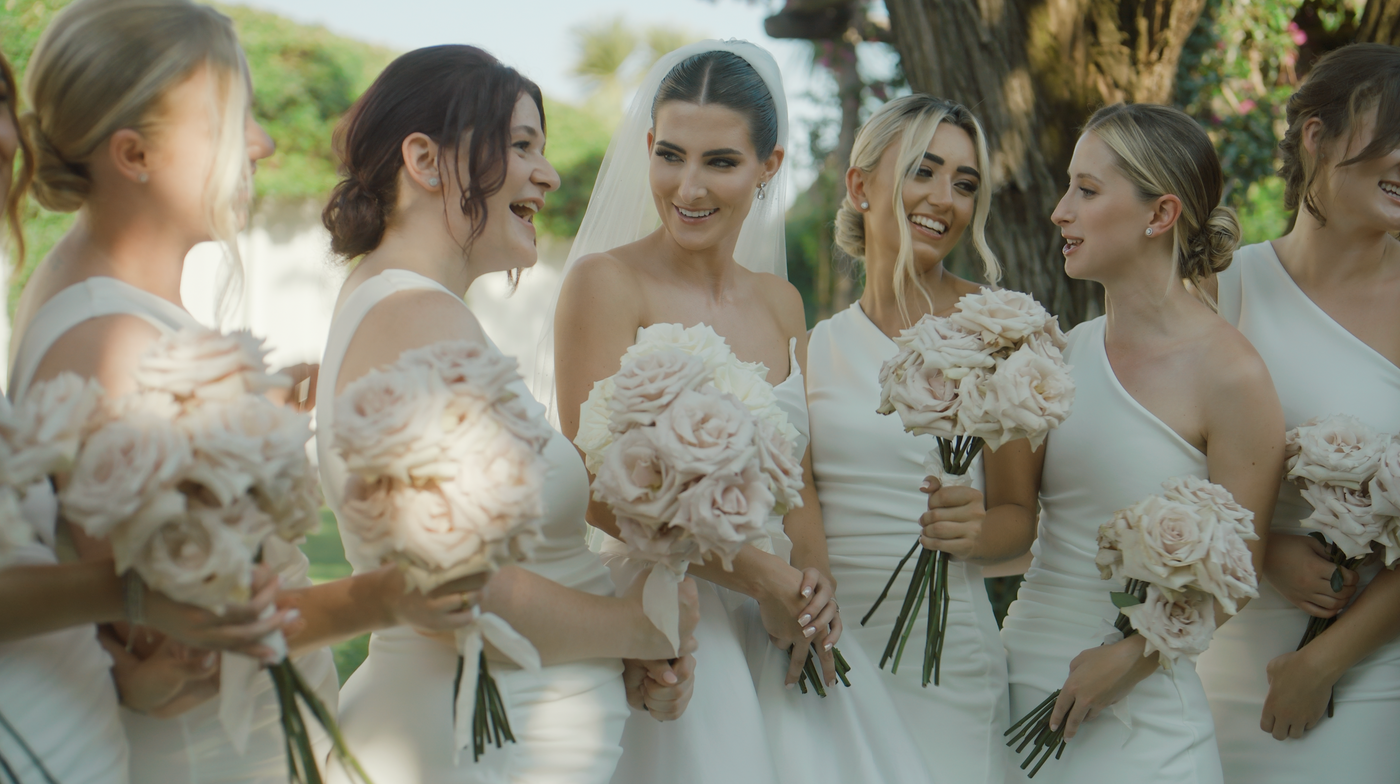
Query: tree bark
[(1380, 22), (1033, 71)]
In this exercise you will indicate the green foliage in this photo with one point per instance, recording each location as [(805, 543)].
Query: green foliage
[(578, 139)]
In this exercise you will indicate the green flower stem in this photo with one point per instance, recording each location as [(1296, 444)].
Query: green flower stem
[(490, 724), (910, 618), (890, 582)]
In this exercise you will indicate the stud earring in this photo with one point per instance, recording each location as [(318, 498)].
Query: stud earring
[(143, 178), (433, 182), (865, 205), (1149, 232)]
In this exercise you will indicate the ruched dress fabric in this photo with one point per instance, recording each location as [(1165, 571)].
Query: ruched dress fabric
[(1319, 369), (868, 472), (192, 747), (1110, 453), (396, 709)]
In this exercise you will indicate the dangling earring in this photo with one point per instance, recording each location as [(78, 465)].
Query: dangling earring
[(762, 190), (433, 182), (1149, 231), (865, 205)]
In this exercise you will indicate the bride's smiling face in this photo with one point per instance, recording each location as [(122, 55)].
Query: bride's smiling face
[(704, 172)]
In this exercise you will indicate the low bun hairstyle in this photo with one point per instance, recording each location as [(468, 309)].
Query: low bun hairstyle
[(1163, 151), (443, 92), (105, 65), (724, 79), (913, 120), (1340, 88)]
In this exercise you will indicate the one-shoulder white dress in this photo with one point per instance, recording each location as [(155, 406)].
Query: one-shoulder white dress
[(191, 747), (1318, 369), (396, 710), (868, 471), (1110, 453)]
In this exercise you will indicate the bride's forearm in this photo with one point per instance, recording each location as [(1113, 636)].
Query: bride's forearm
[(567, 625), (44, 598), (341, 609)]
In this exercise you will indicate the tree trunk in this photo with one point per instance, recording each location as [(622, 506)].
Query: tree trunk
[(1380, 22), (1034, 71)]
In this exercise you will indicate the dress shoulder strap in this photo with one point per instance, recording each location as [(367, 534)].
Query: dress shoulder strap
[(89, 299)]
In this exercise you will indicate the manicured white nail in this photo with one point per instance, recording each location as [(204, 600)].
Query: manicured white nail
[(828, 646), (789, 685), (807, 592), (804, 619), (809, 631), (670, 678)]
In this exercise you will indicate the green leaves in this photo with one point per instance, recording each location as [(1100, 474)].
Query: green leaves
[(1121, 599)]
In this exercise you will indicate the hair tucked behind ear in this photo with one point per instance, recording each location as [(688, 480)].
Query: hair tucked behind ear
[(913, 119), (443, 92), (1163, 151)]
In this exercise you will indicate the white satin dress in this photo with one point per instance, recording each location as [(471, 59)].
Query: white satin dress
[(396, 710), (868, 471), (1318, 369), (192, 747), (1110, 453)]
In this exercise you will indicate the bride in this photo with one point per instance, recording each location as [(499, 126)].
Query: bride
[(702, 146)]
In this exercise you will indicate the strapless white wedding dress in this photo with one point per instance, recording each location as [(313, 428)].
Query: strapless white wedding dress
[(1110, 453), (1318, 369), (396, 710), (72, 696), (868, 472)]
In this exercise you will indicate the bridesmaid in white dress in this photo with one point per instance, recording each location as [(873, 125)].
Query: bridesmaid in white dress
[(1165, 388), (1319, 305), (422, 216), (702, 146), (869, 471), (108, 289)]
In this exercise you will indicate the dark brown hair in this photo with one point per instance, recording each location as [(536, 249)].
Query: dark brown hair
[(442, 92), (728, 80), (20, 187), (1342, 86)]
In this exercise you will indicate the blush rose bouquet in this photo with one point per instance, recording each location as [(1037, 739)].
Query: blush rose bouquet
[(446, 477), (191, 478), (1176, 554), (690, 449), (989, 373)]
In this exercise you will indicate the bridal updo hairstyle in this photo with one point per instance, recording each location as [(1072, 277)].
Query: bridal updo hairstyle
[(1163, 151), (15, 199), (1341, 88), (105, 65), (460, 97), (724, 79), (912, 121)]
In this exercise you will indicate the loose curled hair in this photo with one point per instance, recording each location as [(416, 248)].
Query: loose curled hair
[(1343, 85), (1163, 151), (913, 119), (15, 200), (724, 79), (443, 92)]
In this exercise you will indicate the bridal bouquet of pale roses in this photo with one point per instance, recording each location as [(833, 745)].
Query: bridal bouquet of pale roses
[(193, 479), (39, 437), (447, 474), (1177, 554), (990, 373), (690, 449), (1347, 471)]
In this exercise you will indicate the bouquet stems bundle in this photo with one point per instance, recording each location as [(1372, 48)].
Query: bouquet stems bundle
[(988, 374), (446, 480), (1177, 554), (191, 478)]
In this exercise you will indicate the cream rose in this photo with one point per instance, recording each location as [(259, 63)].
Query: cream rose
[(1344, 515), (204, 364), (945, 345), (127, 471), (1205, 494), (368, 512), (1170, 539), (196, 558), (50, 424), (705, 431), (499, 489), (466, 365), (594, 436), (15, 531), (1176, 625), (1336, 450), (749, 383), (722, 511), (1114, 537), (699, 341), (636, 481), (926, 400), (1385, 486), (1026, 396), (1227, 572), (1004, 318), (777, 461), (656, 541), (394, 423), (647, 385)]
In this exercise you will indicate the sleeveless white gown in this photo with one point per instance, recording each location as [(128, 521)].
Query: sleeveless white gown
[(1318, 369), (868, 472), (192, 747), (396, 710), (1110, 453)]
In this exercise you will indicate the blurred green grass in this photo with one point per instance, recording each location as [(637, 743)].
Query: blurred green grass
[(327, 557)]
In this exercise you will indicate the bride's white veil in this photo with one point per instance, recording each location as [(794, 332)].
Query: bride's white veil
[(621, 209)]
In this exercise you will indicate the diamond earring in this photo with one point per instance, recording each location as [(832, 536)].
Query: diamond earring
[(762, 190), (143, 178), (1149, 232), (433, 182)]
